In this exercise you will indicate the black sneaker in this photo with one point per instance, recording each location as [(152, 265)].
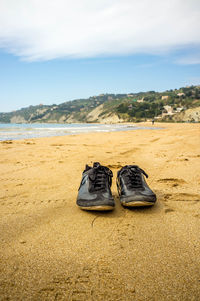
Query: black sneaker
[(94, 191), (132, 187)]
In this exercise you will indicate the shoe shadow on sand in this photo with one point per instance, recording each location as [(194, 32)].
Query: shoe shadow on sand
[(119, 210)]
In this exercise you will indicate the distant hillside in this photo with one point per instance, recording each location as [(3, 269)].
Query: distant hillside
[(172, 105)]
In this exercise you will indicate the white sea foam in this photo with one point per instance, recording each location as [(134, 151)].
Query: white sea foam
[(25, 131)]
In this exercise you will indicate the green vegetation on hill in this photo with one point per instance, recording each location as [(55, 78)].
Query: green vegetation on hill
[(166, 106)]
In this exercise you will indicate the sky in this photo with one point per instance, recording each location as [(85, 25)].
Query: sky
[(55, 51)]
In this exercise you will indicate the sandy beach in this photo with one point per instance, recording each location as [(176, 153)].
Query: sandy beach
[(51, 250)]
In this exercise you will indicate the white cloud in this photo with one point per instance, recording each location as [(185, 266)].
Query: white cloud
[(48, 29)]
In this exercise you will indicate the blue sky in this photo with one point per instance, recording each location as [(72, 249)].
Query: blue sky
[(116, 51)]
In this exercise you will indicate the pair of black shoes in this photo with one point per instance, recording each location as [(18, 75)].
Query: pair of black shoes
[(95, 188)]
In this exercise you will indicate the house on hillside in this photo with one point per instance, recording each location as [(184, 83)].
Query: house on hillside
[(164, 97), (168, 111), (178, 110), (181, 94), (54, 108), (140, 100)]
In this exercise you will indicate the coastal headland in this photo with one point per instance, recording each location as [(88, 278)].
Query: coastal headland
[(51, 250)]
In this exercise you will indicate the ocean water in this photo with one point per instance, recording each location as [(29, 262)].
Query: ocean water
[(11, 131)]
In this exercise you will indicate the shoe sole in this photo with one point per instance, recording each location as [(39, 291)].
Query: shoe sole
[(97, 208), (137, 204)]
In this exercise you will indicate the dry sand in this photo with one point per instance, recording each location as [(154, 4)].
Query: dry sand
[(51, 250)]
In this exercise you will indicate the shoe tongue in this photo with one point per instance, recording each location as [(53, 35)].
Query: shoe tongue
[(127, 169), (96, 164), (93, 171), (133, 167)]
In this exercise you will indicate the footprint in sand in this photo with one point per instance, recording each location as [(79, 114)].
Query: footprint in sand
[(58, 289), (167, 210), (160, 155), (154, 140), (173, 182), (197, 156), (109, 286), (182, 197), (7, 142), (129, 152), (29, 143), (96, 283), (125, 235), (183, 159)]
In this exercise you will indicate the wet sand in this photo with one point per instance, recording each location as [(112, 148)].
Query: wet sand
[(51, 250)]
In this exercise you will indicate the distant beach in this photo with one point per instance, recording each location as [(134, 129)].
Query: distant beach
[(12, 131)]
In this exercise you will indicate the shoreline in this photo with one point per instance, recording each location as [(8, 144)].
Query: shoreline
[(17, 132), (50, 249)]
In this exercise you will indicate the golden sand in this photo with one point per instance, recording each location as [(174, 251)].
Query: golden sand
[(51, 250)]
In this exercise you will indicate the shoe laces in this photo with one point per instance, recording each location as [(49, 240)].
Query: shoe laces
[(132, 176), (99, 175)]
